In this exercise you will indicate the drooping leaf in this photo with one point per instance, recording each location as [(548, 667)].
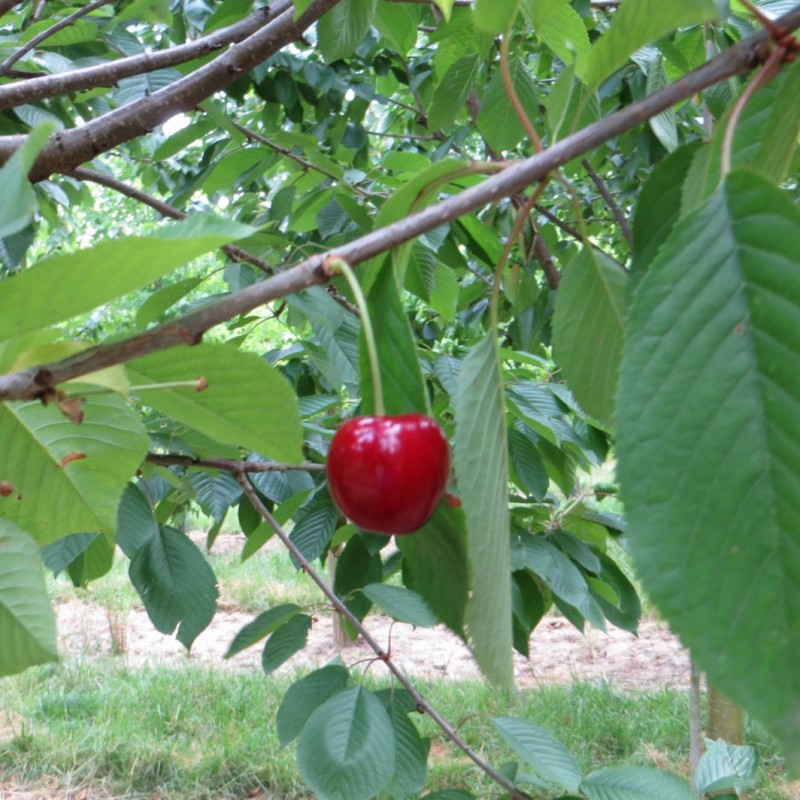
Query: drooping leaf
[(588, 329), (410, 753), (263, 625), (68, 478), (400, 604), (176, 584), (346, 749), (136, 522), (342, 29), (17, 200), (639, 23), (314, 525), (264, 418), (303, 697), (27, 622), (635, 783), (85, 279), (85, 556), (288, 639), (707, 402), (481, 465), (439, 548), (725, 767), (549, 758)]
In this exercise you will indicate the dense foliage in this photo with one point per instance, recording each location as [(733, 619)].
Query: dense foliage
[(576, 227)]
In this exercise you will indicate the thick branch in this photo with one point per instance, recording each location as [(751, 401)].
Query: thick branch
[(39, 88), (69, 149), (7, 5), (39, 382), (51, 31)]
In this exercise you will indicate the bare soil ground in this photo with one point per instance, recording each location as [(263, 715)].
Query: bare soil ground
[(559, 652)]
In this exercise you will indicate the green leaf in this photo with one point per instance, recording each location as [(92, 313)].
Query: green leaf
[(68, 478), (314, 525), (635, 783), (495, 16), (450, 96), (541, 750), (529, 468), (497, 120), (638, 23), (725, 767), (136, 522), (285, 642), (707, 405), (176, 584), (223, 411), (303, 697), (401, 376), (346, 749), (17, 200), (215, 492), (264, 624), (232, 167), (439, 548), (446, 7), (400, 604), (663, 125), (85, 556), (411, 756), (343, 28), (397, 23), (27, 622), (561, 28), (357, 567), (481, 465), (86, 279), (588, 329), (162, 300)]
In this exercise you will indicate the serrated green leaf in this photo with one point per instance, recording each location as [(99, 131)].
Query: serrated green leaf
[(17, 200), (27, 621), (439, 548), (346, 749), (68, 478), (232, 166), (162, 300), (263, 625), (136, 522), (411, 756), (635, 783), (343, 28), (400, 604), (638, 23), (663, 125), (85, 279), (528, 465), (397, 23), (497, 120), (495, 16), (215, 492), (481, 465), (304, 697), (450, 97), (223, 411), (708, 399), (401, 376), (588, 329), (725, 767), (85, 557), (314, 525), (176, 584), (561, 28), (287, 640), (549, 758)]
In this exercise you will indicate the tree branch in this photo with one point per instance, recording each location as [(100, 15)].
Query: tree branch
[(40, 381), (46, 34), (68, 149), (236, 467), (7, 5), (612, 204), (423, 706), (40, 88)]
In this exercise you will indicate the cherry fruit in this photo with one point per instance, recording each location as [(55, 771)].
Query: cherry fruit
[(387, 474)]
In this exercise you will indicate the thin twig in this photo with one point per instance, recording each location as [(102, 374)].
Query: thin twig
[(513, 97), (52, 30), (612, 204), (229, 465), (542, 254), (423, 706)]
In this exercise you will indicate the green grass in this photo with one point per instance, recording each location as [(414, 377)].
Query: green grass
[(201, 733)]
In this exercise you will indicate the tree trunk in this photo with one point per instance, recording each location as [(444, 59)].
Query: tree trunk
[(725, 720)]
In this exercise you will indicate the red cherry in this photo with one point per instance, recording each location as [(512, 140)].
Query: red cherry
[(387, 474)]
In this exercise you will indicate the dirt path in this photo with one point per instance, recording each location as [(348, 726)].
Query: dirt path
[(559, 653)]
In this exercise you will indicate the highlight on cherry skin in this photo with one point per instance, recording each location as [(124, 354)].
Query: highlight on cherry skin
[(387, 474)]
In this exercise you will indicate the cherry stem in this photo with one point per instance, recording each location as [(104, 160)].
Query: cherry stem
[(335, 265)]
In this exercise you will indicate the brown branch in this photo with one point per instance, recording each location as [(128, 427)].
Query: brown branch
[(564, 226), (542, 254), (165, 209), (40, 88), (52, 30), (612, 204), (229, 465), (69, 149), (422, 704), (40, 381), (7, 5)]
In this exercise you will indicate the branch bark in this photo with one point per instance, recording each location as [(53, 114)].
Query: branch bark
[(40, 381), (40, 88), (612, 204), (68, 149), (7, 5)]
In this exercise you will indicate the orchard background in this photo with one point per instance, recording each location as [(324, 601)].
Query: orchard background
[(576, 226)]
